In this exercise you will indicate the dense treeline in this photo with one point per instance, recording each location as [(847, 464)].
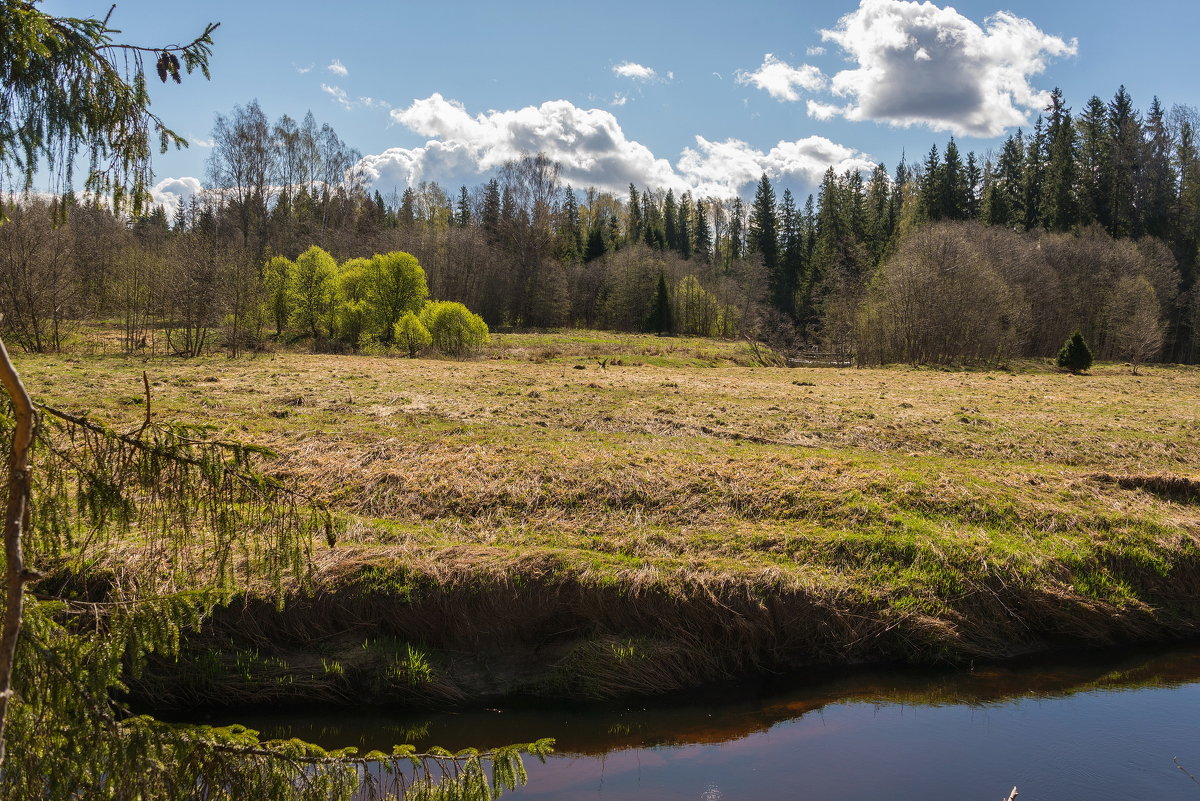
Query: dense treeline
[(965, 292), (1089, 221)]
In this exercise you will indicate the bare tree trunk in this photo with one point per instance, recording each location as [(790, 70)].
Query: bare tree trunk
[(16, 517)]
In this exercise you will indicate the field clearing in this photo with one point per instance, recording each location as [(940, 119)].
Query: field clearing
[(656, 509)]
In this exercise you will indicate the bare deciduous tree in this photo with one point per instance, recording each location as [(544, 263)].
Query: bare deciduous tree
[(1134, 322), (939, 300), (243, 165), (39, 289)]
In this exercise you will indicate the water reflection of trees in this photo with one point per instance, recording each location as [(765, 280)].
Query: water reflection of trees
[(737, 710)]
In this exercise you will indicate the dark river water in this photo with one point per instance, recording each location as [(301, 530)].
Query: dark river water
[(1088, 727)]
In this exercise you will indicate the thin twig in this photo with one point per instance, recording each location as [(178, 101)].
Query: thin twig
[(212, 26), (146, 422)]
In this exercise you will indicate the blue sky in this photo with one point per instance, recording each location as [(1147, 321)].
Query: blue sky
[(669, 94)]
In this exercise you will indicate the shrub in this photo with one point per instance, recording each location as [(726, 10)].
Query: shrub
[(397, 285), (411, 334), (1075, 355), (312, 292), (940, 299), (277, 285), (453, 328), (351, 318), (1134, 323)]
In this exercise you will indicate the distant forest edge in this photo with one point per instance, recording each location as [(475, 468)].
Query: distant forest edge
[(1087, 222)]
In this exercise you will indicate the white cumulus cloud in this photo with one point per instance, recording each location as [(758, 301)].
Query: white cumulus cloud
[(590, 146), (782, 80), (724, 168), (171, 192), (629, 69), (338, 68), (918, 63), (588, 143), (824, 111)]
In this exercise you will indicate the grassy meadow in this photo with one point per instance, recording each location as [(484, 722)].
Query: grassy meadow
[(592, 514)]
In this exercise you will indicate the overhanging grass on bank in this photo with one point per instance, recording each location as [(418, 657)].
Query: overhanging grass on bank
[(598, 530)]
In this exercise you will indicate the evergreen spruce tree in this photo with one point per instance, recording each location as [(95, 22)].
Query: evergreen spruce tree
[(932, 185), (1075, 355), (974, 176), (70, 90), (763, 238), (1158, 180), (1059, 210), (633, 216), (808, 233), (671, 222), (854, 195), (1095, 166), (613, 237), (490, 217), (652, 222), (737, 231), (407, 214), (1006, 201), (879, 213), (571, 231), (953, 194), (703, 233), (1033, 177), (792, 258), (1125, 151), (596, 246), (1186, 212), (684, 226), (900, 189), (660, 321), (462, 216)]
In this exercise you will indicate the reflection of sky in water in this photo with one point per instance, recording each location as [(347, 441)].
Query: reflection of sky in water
[(1089, 747)]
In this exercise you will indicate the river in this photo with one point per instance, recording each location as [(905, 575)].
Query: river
[(1097, 726)]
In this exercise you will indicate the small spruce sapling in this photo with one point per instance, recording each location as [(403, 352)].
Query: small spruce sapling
[(1075, 355)]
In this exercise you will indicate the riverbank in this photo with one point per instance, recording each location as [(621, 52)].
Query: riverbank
[(410, 626), (583, 521)]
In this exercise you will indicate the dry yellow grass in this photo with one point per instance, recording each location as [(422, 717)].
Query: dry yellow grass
[(658, 509)]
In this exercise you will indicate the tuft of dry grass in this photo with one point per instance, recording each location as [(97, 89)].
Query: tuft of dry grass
[(1172, 488)]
